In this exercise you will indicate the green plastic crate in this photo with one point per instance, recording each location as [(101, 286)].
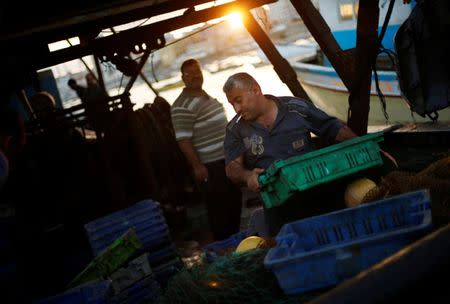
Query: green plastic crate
[(110, 259), (284, 177)]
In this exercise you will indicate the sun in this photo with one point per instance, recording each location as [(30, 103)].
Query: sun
[(235, 20)]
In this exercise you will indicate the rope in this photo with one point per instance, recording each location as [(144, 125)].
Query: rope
[(382, 49)]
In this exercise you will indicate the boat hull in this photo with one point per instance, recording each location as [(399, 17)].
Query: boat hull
[(328, 93)]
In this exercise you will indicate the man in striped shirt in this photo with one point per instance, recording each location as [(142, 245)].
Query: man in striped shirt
[(199, 122)]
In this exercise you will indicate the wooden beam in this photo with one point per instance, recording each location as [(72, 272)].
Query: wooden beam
[(281, 65), (341, 61), (144, 33), (366, 51), (97, 17)]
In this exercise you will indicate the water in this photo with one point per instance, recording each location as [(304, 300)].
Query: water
[(213, 82)]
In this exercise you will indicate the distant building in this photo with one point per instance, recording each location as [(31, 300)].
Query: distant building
[(284, 12)]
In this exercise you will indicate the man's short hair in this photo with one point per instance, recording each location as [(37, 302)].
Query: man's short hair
[(189, 62), (239, 80), (71, 82)]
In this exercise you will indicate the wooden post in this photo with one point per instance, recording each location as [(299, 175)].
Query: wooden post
[(342, 61), (366, 48), (281, 65)]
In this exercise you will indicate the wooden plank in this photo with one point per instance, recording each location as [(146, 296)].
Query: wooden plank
[(281, 65), (366, 49)]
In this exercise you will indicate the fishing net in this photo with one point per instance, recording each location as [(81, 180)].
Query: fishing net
[(234, 278), (435, 177)]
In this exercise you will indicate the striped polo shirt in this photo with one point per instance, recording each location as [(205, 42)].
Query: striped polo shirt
[(202, 120)]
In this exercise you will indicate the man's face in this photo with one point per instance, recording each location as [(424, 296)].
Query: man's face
[(245, 102), (192, 76)]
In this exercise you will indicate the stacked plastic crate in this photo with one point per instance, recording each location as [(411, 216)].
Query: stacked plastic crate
[(147, 218), (324, 250), (96, 292), (135, 283)]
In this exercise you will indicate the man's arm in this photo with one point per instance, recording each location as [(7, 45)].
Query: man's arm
[(238, 174), (200, 170)]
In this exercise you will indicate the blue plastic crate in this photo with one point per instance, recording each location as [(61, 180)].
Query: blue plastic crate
[(143, 291), (96, 292), (149, 238), (145, 217), (140, 222), (214, 250), (106, 222), (146, 232), (155, 256), (167, 271), (324, 250)]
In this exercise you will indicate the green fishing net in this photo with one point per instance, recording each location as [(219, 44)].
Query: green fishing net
[(234, 278)]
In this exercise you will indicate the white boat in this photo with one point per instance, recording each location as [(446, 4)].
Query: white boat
[(326, 89)]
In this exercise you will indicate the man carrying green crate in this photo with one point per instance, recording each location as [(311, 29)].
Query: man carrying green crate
[(268, 128)]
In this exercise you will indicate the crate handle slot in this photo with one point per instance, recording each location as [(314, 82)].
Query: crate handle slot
[(367, 154), (352, 230), (382, 223), (338, 233), (322, 237), (309, 174), (322, 168), (368, 226)]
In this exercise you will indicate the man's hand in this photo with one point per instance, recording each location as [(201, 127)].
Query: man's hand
[(238, 174), (200, 173), (252, 180)]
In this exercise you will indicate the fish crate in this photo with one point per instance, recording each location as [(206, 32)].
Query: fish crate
[(144, 291), (145, 217), (95, 292), (216, 249), (118, 217), (150, 235), (284, 177), (165, 272), (324, 250)]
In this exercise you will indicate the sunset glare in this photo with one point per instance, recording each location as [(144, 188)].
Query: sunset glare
[(235, 20)]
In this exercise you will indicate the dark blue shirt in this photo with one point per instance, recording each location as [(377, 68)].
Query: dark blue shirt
[(289, 136)]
